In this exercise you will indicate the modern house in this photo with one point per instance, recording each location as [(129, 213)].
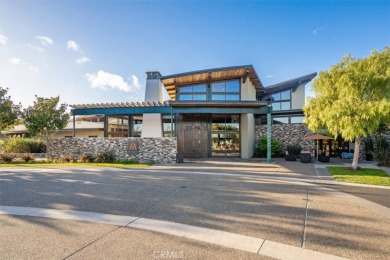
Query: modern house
[(212, 113)]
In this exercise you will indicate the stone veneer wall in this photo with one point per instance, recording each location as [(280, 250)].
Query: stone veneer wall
[(294, 133), (159, 149), (288, 134), (385, 134)]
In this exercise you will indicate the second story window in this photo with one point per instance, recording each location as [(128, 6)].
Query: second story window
[(228, 90), (192, 92), (225, 90), (280, 101)]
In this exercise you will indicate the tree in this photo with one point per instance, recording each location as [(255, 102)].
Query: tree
[(9, 112), (352, 98), (44, 117)]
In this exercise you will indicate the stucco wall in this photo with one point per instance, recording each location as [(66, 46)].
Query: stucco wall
[(152, 125), (159, 150), (248, 91), (247, 135), (298, 97), (79, 133)]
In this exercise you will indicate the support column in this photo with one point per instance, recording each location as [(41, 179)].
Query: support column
[(171, 123), (105, 126), (269, 128), (74, 126), (247, 129), (129, 126)]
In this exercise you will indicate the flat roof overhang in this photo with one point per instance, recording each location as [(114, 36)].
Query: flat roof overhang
[(172, 107), (201, 76)]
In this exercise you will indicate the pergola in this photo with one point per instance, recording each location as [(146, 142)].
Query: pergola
[(174, 108)]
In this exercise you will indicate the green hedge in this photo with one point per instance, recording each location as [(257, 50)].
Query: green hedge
[(261, 150), (24, 145)]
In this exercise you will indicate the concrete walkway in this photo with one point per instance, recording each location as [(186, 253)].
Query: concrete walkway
[(282, 204)]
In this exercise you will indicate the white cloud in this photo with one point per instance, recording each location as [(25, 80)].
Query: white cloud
[(82, 60), (3, 39), (14, 61), (19, 62), (105, 80), (72, 45), (36, 48), (318, 30), (44, 40), (269, 76)]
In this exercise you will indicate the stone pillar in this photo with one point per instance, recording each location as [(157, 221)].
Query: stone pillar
[(152, 123)]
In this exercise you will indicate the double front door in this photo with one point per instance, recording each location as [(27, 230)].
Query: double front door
[(193, 135)]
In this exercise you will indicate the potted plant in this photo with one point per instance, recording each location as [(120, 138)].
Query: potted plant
[(368, 148)]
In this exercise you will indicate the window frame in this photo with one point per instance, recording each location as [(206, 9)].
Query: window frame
[(209, 93)]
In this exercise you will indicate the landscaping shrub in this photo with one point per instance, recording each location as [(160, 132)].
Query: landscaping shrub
[(151, 162), (66, 159), (105, 157), (24, 145), (382, 144), (294, 149), (6, 158), (86, 158), (382, 156), (368, 148), (27, 157), (261, 149)]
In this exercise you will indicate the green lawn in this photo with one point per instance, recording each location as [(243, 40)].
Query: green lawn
[(37, 164), (364, 176)]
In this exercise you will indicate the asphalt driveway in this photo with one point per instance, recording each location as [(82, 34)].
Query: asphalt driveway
[(289, 212)]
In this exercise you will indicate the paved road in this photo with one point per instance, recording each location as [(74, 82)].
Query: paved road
[(263, 208)]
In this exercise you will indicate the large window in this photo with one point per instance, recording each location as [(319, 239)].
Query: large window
[(293, 119), (228, 90), (225, 90), (168, 125), (280, 101), (137, 126), (225, 135), (118, 126), (192, 92)]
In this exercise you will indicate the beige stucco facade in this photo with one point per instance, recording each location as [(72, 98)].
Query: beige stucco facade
[(298, 97), (247, 129), (152, 125), (248, 91), (80, 133)]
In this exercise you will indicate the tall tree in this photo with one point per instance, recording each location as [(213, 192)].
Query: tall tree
[(352, 98), (44, 117), (9, 111)]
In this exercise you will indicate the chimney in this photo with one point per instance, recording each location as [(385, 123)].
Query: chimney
[(152, 123), (153, 89)]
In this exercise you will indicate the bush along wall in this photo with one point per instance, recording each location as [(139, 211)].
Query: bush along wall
[(24, 145)]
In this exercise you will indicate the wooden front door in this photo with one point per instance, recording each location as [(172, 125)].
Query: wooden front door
[(193, 136)]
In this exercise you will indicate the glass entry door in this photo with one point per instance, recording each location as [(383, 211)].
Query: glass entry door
[(225, 135)]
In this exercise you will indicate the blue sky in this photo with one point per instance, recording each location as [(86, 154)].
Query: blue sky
[(99, 51)]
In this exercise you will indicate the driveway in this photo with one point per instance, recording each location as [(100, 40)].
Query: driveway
[(252, 199)]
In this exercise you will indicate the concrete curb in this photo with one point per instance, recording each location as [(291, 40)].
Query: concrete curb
[(222, 238)]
